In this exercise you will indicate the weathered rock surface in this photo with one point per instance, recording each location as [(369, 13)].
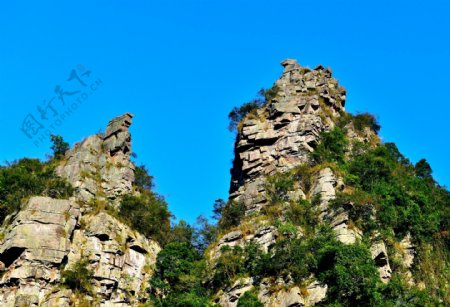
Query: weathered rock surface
[(264, 235), (120, 258), (100, 167), (50, 235), (292, 295), (277, 138), (230, 297), (285, 131), (35, 245), (380, 255), (407, 255)]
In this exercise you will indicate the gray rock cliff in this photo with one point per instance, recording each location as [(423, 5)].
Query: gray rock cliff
[(50, 235), (279, 137)]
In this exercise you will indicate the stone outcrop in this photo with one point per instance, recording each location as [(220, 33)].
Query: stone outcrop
[(51, 235), (35, 245), (289, 295), (283, 133), (380, 255), (293, 296), (264, 235), (277, 138), (230, 297), (100, 167)]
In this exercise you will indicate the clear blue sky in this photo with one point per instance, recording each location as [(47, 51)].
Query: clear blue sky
[(180, 66)]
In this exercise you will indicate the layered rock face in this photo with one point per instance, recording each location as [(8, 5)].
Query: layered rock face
[(279, 137), (100, 165), (51, 235), (283, 133)]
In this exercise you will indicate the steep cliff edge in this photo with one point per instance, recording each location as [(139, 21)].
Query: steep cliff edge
[(51, 236)]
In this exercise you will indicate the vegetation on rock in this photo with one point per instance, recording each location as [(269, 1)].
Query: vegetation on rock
[(79, 277), (29, 177), (238, 113), (59, 146)]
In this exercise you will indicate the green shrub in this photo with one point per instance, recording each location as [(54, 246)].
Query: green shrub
[(278, 186), (79, 277), (350, 273), (232, 214), (302, 213), (239, 113), (363, 120), (361, 208), (148, 214), (29, 177), (332, 147), (188, 299), (228, 266), (271, 93), (249, 299)]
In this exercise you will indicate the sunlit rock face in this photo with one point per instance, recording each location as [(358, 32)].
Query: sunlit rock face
[(283, 133), (100, 165), (51, 235), (276, 138)]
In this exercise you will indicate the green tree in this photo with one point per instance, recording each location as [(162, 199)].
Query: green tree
[(182, 233), (363, 120), (178, 277), (423, 169), (142, 179), (205, 234), (350, 273), (59, 146), (232, 214), (218, 206), (331, 147)]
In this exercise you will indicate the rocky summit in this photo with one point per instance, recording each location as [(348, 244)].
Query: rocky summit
[(320, 212)]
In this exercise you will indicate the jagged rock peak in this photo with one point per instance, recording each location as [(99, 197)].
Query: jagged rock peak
[(100, 165), (118, 124), (282, 134), (117, 137)]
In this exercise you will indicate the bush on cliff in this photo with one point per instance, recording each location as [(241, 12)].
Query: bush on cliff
[(29, 177), (148, 214), (79, 277), (239, 113)]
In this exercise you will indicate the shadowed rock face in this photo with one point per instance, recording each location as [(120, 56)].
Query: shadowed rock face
[(49, 235)]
